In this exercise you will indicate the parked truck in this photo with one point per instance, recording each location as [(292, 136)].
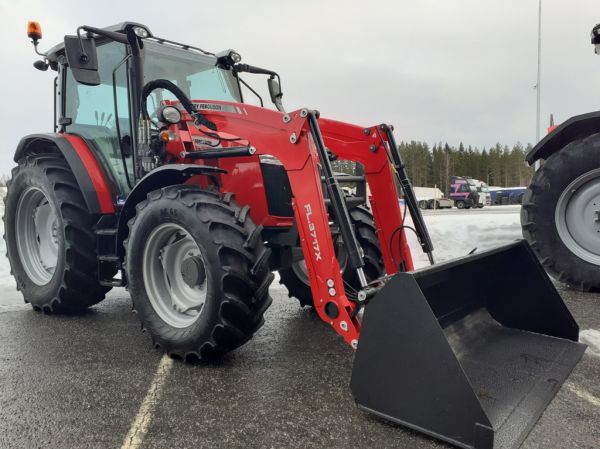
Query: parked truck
[(485, 198), (432, 198), (468, 192)]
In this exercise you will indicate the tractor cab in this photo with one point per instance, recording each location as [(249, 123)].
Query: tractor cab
[(100, 75)]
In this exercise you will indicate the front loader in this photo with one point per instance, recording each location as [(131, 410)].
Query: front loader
[(161, 178)]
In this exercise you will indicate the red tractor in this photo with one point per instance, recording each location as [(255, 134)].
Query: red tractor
[(159, 177)]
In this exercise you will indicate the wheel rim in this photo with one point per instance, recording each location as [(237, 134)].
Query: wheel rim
[(37, 235), (300, 270), (176, 294), (577, 217)]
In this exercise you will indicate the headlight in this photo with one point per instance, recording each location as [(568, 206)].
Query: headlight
[(228, 57), (169, 114), (141, 32)]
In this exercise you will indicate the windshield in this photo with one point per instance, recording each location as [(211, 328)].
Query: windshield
[(193, 72)]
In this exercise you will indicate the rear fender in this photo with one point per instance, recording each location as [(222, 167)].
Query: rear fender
[(88, 173), (575, 128), (164, 176)]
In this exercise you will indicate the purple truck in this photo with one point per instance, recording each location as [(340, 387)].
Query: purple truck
[(464, 193)]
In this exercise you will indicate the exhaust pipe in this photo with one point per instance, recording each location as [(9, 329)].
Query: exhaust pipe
[(470, 351)]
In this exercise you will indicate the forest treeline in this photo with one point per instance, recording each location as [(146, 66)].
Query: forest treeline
[(499, 165)]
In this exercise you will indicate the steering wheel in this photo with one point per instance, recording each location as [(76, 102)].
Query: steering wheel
[(198, 117)]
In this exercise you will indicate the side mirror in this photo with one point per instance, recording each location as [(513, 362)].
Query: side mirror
[(275, 93), (82, 59)]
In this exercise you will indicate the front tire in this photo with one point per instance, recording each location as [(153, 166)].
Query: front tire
[(198, 272), (48, 231), (558, 214)]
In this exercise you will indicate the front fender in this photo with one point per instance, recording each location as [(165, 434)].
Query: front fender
[(576, 127), (164, 176)]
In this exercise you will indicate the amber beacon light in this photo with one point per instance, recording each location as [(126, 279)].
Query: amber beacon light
[(34, 31)]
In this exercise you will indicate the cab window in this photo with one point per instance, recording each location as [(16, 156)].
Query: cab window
[(97, 118)]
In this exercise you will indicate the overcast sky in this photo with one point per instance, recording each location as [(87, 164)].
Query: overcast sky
[(439, 70)]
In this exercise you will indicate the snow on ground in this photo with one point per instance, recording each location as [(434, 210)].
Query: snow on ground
[(7, 282), (455, 233), (591, 337)]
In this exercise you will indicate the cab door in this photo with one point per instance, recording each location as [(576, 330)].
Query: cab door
[(101, 114)]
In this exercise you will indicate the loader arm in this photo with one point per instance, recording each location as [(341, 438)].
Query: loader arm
[(292, 140), (369, 147)]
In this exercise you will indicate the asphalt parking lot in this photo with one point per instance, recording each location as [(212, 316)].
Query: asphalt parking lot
[(83, 382)]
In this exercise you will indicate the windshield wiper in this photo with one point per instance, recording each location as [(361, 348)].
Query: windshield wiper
[(262, 105)]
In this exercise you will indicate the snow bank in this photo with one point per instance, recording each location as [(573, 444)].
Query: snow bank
[(458, 233)]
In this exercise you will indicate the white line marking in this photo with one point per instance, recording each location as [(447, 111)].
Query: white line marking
[(591, 337), (140, 424), (582, 394)]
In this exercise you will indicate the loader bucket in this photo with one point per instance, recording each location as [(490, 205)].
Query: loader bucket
[(470, 352)]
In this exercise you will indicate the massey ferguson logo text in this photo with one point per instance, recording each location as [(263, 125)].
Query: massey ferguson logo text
[(313, 232), (208, 106)]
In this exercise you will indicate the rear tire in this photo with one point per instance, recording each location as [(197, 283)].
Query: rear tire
[(423, 204), (298, 285), (558, 214), (221, 304), (48, 231), (460, 204)]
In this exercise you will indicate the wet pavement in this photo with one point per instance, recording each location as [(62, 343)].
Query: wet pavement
[(78, 382)]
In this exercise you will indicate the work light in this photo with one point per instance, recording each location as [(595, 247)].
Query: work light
[(169, 114)]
